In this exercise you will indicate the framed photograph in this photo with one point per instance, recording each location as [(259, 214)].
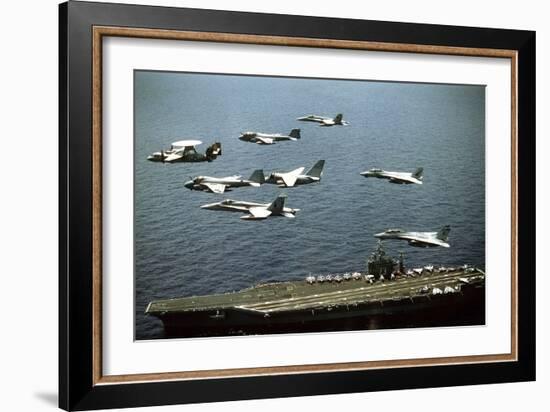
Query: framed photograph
[(381, 177)]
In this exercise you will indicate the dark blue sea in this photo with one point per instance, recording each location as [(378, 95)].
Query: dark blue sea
[(182, 250)]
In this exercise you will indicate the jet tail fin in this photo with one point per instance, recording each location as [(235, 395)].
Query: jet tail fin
[(257, 176), (213, 151), (295, 133), (317, 169), (443, 233), (418, 173), (338, 118), (277, 205)]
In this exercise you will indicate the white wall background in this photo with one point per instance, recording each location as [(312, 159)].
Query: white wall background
[(28, 203)]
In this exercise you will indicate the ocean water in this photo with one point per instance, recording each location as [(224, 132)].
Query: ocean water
[(182, 250)]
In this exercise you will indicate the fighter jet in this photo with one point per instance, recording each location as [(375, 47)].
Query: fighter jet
[(265, 138), (396, 177), (221, 184), (324, 121), (184, 151), (295, 177), (255, 211), (419, 239)]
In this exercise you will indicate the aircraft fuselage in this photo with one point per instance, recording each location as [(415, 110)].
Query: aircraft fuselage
[(324, 121), (267, 138), (231, 181), (417, 239), (229, 205), (275, 178), (394, 177)]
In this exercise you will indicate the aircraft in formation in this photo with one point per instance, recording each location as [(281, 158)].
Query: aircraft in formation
[(184, 151), (253, 210), (325, 121), (283, 179), (265, 138), (222, 184), (418, 239), (296, 177), (396, 177)]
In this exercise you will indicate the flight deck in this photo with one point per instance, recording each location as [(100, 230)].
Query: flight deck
[(338, 299)]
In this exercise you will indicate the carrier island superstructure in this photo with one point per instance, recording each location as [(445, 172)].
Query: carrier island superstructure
[(384, 295)]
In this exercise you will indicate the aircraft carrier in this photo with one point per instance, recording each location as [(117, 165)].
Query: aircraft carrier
[(385, 295)]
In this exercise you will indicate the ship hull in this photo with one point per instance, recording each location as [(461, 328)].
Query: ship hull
[(454, 309)]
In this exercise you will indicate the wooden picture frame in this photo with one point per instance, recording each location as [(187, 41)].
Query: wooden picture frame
[(82, 384)]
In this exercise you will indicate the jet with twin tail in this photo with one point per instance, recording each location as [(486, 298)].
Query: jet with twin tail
[(418, 239), (402, 178), (253, 210), (325, 121)]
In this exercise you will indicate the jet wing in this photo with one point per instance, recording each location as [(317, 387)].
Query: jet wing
[(257, 213), (215, 187), (428, 241), (404, 179), (311, 118), (289, 179), (263, 140), (438, 242)]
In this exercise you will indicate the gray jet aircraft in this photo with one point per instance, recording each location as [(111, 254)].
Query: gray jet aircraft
[(295, 177), (418, 239), (396, 177), (221, 184), (324, 121), (265, 138), (253, 210)]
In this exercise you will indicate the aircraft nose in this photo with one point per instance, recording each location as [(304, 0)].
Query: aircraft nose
[(209, 206), (189, 184), (379, 234)]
